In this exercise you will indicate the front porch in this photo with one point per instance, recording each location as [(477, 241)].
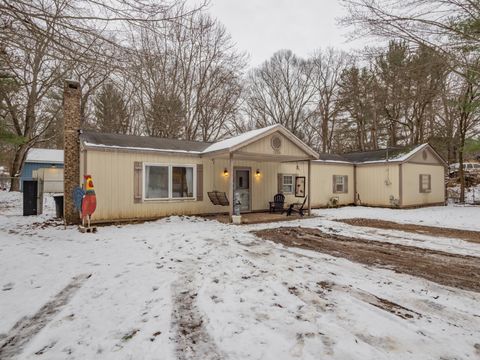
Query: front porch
[(247, 174)]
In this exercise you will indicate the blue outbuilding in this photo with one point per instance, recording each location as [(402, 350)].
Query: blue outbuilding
[(40, 159)]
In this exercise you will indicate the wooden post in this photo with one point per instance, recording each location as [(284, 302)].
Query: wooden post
[(309, 200), (230, 185)]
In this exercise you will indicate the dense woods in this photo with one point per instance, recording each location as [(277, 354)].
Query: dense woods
[(172, 71)]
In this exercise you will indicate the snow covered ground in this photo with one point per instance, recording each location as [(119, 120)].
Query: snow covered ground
[(453, 216), (187, 288)]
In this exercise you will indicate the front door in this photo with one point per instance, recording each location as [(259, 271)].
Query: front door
[(242, 188)]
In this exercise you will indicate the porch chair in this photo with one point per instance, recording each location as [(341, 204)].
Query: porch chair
[(277, 203), (297, 208), (218, 198)]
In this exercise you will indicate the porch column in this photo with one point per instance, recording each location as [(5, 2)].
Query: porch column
[(230, 185), (309, 200)]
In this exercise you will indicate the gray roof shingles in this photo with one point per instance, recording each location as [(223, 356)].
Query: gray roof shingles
[(150, 142), (142, 142)]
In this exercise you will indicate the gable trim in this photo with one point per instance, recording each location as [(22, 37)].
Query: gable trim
[(434, 152)]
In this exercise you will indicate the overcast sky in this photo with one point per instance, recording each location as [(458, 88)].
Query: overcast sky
[(261, 27)]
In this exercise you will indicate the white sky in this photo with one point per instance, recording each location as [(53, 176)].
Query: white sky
[(261, 27)]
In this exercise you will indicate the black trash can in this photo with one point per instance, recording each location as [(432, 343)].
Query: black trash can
[(58, 206)]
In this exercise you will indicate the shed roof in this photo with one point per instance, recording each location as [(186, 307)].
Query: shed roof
[(50, 156)]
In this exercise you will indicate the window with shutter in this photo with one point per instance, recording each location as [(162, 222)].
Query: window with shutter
[(162, 182), (340, 184), (425, 183)]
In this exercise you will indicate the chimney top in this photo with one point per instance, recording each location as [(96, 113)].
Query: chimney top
[(72, 84)]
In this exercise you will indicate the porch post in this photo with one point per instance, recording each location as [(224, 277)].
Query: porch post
[(309, 200), (230, 185)]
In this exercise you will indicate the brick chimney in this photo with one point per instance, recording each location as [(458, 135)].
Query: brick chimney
[(71, 145)]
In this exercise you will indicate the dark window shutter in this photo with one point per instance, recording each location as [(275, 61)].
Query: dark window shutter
[(345, 186), (137, 181), (334, 182), (429, 182), (420, 183), (280, 183), (200, 182)]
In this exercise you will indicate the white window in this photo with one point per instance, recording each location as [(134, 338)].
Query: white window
[(182, 182), (425, 183), (156, 182), (340, 183), (169, 182), (288, 184)]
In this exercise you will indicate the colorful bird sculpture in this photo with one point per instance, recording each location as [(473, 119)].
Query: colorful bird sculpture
[(85, 200), (89, 201)]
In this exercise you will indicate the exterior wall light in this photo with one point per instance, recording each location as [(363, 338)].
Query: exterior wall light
[(225, 172), (257, 173)]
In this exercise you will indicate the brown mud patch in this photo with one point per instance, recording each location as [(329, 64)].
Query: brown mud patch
[(468, 235), (459, 271)]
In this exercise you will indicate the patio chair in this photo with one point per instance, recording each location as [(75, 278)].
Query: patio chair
[(218, 198), (297, 208), (277, 203)]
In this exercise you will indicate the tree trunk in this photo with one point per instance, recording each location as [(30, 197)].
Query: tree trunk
[(16, 167)]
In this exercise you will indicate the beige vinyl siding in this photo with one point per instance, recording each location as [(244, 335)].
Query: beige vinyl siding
[(113, 177), (263, 146), (411, 186), (426, 156), (322, 183), (376, 183)]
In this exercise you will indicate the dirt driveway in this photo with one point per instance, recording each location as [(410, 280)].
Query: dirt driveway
[(472, 236), (443, 268)]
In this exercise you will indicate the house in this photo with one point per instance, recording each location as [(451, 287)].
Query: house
[(394, 177), (138, 177), (45, 164)]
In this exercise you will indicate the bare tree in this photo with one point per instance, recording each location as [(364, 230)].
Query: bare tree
[(447, 26), (327, 68), (280, 92), (194, 64), (468, 111), (45, 41)]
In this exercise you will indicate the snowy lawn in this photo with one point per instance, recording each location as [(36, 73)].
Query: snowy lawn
[(185, 288)]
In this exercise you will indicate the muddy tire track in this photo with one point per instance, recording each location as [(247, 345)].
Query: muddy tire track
[(467, 235), (25, 329), (460, 271), (191, 336)]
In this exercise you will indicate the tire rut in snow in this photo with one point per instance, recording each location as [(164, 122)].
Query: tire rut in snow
[(192, 338), (25, 329), (455, 270)]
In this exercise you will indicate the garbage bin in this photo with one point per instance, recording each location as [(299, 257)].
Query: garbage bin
[(58, 206)]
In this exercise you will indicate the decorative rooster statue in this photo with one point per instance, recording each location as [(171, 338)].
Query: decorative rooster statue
[(85, 201)]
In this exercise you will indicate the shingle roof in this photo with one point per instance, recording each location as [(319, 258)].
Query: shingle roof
[(324, 157), (390, 154), (131, 142), (95, 139)]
